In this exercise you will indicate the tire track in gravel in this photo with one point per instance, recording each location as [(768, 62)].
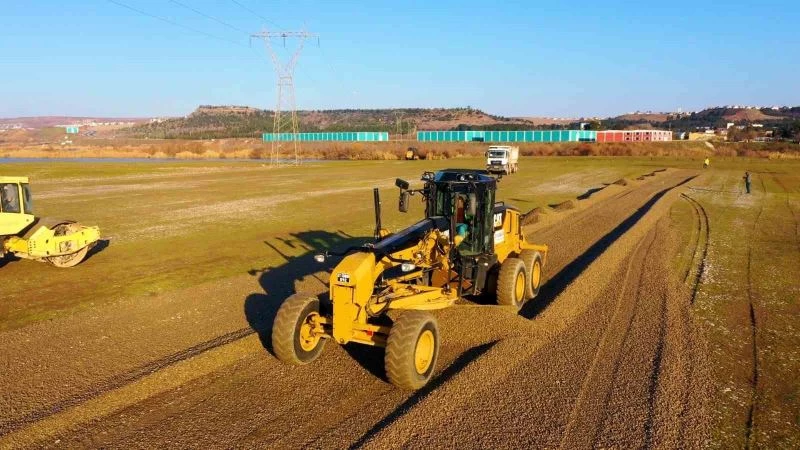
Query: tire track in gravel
[(588, 413), (704, 223), (704, 229), (589, 225), (533, 380), (694, 238), (655, 372), (569, 271), (123, 379), (610, 212), (751, 412), (796, 223), (653, 400)]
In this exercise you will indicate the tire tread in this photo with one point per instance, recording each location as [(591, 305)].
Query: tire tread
[(400, 348), (506, 280)]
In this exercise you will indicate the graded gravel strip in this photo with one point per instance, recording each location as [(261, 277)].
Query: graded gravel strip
[(502, 379), (533, 391)]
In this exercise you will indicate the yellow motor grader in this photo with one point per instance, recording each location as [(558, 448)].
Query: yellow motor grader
[(62, 243), (467, 244)]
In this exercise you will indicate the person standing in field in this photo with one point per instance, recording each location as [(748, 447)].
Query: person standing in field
[(747, 181), (706, 163)]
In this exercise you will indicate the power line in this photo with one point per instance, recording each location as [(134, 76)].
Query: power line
[(173, 23), (209, 17), (256, 14)]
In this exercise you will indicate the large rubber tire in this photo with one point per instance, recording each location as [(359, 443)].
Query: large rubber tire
[(511, 283), (287, 341), (533, 267), (412, 350)]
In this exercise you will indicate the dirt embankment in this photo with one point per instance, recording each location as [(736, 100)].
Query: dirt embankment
[(604, 356)]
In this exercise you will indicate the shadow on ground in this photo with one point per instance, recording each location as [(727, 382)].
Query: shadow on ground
[(98, 247), (278, 283), (591, 191), (455, 367), (6, 259), (553, 287)]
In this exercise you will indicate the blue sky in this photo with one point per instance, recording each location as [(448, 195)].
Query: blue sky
[(560, 59)]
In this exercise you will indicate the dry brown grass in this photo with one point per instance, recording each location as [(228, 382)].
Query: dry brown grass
[(255, 149)]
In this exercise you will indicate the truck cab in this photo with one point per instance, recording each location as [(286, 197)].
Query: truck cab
[(502, 159)]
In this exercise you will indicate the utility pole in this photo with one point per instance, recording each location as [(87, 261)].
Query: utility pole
[(285, 115)]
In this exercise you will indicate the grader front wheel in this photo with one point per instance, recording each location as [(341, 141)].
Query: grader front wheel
[(412, 350), (296, 337)]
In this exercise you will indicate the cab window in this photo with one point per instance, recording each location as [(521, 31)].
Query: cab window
[(9, 198), (27, 197)]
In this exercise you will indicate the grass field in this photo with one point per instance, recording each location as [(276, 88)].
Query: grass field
[(177, 224), (748, 300), (172, 226), (46, 143)]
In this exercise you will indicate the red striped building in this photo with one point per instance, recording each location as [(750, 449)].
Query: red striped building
[(633, 135)]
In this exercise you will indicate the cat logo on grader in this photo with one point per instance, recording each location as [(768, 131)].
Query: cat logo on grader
[(452, 252)]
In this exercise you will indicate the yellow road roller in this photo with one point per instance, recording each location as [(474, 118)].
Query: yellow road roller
[(62, 243)]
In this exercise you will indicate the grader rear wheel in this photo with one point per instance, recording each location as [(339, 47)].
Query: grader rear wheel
[(533, 266), (411, 350), (511, 283), (72, 259), (296, 337)]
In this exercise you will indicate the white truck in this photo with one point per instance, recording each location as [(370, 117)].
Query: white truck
[(502, 159)]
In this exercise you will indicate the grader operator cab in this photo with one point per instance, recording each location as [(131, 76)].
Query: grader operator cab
[(381, 292), (62, 243)]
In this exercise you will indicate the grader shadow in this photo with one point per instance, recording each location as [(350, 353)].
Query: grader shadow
[(278, 283), (462, 361)]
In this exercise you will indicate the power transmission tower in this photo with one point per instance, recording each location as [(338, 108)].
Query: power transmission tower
[(398, 115), (285, 116)]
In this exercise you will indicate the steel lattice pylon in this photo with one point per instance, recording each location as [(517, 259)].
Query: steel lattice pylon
[(285, 115)]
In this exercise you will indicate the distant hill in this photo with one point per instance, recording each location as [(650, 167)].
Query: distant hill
[(644, 117), (717, 117), (240, 121), (751, 115), (51, 121), (225, 121)]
